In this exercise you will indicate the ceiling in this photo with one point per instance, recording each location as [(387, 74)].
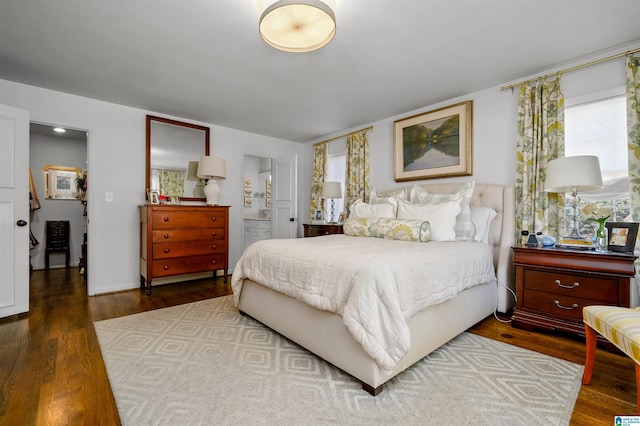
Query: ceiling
[(204, 60)]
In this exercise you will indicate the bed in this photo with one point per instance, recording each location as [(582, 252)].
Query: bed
[(330, 336)]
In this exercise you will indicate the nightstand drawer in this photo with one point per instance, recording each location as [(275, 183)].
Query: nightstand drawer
[(602, 289), (558, 305)]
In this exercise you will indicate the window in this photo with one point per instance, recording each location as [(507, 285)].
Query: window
[(597, 126), (336, 165)]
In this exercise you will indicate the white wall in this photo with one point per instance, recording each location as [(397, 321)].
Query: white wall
[(494, 126), (56, 151), (116, 163)]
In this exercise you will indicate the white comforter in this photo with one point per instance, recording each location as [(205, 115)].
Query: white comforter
[(376, 285)]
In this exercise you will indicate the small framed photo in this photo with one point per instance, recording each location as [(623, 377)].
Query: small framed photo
[(318, 217), (622, 236), (175, 201), (154, 197), (342, 217), (248, 201)]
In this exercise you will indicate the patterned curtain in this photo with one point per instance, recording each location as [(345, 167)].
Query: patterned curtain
[(357, 169), (317, 178), (540, 139), (633, 132), (171, 182)]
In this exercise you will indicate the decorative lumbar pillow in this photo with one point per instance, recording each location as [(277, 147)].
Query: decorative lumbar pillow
[(391, 229), (464, 227), (399, 194), (441, 217), (481, 217), (360, 209)]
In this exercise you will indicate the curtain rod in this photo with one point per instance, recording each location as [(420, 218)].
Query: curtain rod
[(577, 67), (342, 136)]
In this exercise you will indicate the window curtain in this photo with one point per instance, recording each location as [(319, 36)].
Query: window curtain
[(318, 174), (171, 182), (540, 139), (357, 169)]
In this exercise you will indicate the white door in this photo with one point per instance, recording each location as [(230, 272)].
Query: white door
[(14, 211), (284, 220)]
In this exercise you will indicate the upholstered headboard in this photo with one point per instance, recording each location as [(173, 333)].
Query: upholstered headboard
[(502, 235)]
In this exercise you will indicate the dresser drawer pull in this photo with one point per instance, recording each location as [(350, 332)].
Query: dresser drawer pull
[(166, 235), (568, 308), (166, 250), (213, 262), (165, 267), (213, 219), (213, 234), (574, 285), (166, 219), (213, 246)]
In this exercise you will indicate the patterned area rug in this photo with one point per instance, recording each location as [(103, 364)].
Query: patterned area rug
[(203, 363)]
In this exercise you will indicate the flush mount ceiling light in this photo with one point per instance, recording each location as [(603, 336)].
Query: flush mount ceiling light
[(297, 25)]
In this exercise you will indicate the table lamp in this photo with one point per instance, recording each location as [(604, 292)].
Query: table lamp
[(332, 190), (573, 174), (212, 168)]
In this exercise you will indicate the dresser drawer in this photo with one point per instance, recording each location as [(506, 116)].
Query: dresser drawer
[(558, 305), (175, 266), (603, 289), (185, 219), (175, 235), (168, 250)]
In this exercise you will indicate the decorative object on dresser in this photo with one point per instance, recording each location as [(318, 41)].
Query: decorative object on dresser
[(573, 174), (553, 285), (332, 190), (622, 236), (212, 168), (316, 230), (178, 240)]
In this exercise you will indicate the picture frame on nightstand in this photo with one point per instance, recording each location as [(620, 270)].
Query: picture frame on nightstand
[(622, 236)]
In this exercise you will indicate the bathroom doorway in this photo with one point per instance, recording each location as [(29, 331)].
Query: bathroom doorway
[(256, 206)]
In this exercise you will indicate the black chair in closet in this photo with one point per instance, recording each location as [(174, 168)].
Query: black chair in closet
[(57, 240)]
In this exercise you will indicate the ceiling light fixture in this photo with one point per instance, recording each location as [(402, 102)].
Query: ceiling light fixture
[(297, 25), (59, 130)]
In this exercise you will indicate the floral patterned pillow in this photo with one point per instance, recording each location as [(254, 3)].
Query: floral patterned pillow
[(391, 229)]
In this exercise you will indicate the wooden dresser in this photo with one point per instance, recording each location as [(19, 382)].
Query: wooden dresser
[(178, 240), (316, 230), (553, 285)]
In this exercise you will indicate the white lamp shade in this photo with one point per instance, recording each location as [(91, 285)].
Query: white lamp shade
[(297, 25), (581, 173), (331, 190), (211, 167)]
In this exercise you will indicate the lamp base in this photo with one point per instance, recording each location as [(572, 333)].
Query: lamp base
[(212, 192)]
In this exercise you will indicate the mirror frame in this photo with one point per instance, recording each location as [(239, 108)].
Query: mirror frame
[(152, 118)]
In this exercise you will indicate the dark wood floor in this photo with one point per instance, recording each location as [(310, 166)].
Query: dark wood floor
[(52, 372)]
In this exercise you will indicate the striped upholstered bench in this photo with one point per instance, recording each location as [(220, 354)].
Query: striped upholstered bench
[(620, 326)]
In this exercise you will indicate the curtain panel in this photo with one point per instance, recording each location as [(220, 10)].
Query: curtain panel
[(318, 174), (633, 139), (540, 139), (357, 169), (171, 182)]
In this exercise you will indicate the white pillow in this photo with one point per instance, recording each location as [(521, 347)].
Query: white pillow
[(398, 194), (361, 210), (481, 217), (441, 217), (464, 227)]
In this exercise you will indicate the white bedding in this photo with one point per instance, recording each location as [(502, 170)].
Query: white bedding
[(376, 285)]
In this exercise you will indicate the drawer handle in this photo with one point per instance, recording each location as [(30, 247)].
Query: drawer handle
[(166, 235), (213, 234), (574, 285), (213, 262), (568, 308), (166, 219), (213, 246), (166, 250), (165, 267), (213, 219)]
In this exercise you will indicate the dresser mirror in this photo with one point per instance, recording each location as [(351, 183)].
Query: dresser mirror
[(173, 151)]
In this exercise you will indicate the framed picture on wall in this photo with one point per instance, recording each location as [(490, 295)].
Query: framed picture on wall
[(434, 144), (60, 182), (248, 201)]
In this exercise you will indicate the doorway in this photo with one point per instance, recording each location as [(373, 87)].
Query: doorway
[(58, 185), (256, 206)]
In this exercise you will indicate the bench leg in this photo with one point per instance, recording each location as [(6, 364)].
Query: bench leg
[(590, 358)]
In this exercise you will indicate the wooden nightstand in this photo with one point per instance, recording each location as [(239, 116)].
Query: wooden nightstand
[(553, 285), (313, 230)]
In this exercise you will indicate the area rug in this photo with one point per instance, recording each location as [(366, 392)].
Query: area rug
[(203, 363)]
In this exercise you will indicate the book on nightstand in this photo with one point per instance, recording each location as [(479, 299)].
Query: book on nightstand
[(576, 243)]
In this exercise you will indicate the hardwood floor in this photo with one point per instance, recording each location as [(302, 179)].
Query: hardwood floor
[(53, 373)]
